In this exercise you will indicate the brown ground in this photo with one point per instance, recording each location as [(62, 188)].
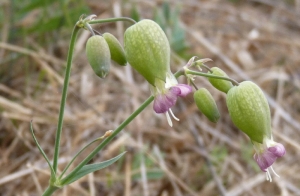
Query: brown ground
[(251, 40)]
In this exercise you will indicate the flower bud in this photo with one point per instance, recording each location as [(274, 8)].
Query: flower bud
[(147, 50), (206, 104), (98, 55), (116, 49), (221, 85), (249, 110)]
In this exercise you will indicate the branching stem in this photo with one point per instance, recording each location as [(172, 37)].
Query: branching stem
[(187, 71)]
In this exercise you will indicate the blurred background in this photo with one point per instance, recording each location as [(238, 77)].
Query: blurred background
[(254, 40)]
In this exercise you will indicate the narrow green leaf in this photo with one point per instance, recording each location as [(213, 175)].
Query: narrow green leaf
[(42, 151), (92, 168)]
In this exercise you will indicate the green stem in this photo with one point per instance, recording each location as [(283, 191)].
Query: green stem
[(50, 190), (206, 67), (194, 85), (64, 97), (65, 180), (187, 71), (88, 26), (98, 21), (179, 73)]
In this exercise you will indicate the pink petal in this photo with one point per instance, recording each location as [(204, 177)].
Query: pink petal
[(264, 160), (163, 102), (184, 89), (278, 150)]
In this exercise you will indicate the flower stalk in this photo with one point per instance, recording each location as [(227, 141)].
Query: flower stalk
[(64, 96), (188, 71)]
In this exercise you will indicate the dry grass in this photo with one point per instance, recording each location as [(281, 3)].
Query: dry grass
[(257, 40)]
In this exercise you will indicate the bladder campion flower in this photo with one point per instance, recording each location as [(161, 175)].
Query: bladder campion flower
[(250, 112), (147, 50)]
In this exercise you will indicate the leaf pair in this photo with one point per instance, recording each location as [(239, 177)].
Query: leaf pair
[(82, 172)]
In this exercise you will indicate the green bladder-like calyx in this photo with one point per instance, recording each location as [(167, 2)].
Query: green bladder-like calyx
[(147, 50), (249, 110)]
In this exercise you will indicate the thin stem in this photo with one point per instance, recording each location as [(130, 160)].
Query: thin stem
[(98, 21), (208, 69), (187, 71), (106, 141), (179, 73), (193, 83), (88, 26), (50, 190), (97, 32), (64, 96)]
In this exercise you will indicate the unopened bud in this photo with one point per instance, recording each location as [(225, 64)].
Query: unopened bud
[(116, 49), (221, 85), (206, 104), (98, 55)]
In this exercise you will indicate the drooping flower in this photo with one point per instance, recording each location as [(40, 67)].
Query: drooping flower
[(250, 112), (166, 94), (147, 50), (266, 154)]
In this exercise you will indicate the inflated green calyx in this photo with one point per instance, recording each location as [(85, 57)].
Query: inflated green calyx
[(116, 49), (249, 110), (98, 55), (206, 104), (147, 50), (221, 85)]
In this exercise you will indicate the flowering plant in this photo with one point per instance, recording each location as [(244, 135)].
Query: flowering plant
[(147, 50)]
